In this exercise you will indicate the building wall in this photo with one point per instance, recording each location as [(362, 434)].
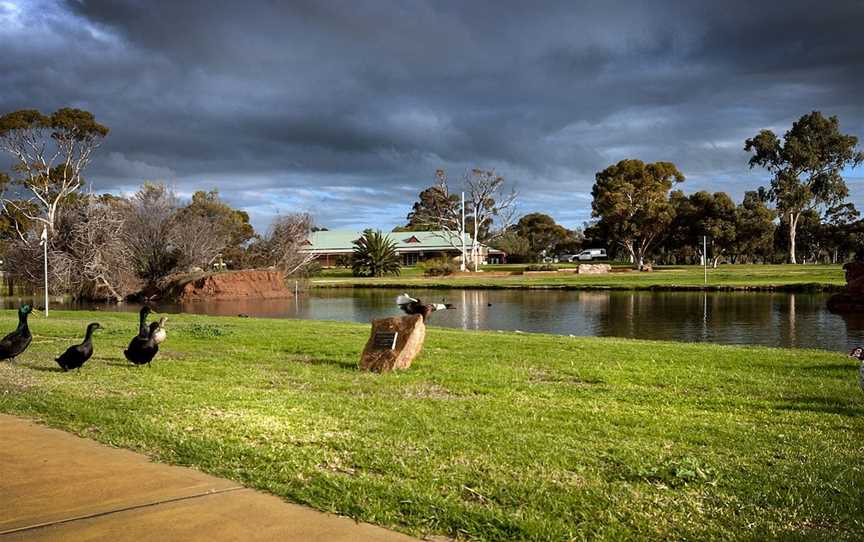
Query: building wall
[(412, 258)]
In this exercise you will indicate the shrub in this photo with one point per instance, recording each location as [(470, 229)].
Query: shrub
[(541, 267), (438, 267)]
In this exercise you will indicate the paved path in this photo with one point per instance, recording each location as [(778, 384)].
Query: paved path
[(56, 486)]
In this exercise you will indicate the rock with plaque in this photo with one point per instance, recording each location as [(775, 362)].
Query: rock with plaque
[(393, 343), (851, 299)]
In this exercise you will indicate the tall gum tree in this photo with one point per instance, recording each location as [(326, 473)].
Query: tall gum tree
[(806, 167), (50, 153), (631, 199), (489, 211)]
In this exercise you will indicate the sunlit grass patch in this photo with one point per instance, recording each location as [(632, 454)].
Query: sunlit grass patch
[(490, 436)]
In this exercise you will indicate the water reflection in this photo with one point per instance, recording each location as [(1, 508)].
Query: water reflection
[(771, 319)]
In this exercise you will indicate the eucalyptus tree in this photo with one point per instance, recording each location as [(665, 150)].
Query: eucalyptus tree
[(544, 235), (631, 201), (229, 226), (806, 167), (488, 212), (756, 228), (49, 155)]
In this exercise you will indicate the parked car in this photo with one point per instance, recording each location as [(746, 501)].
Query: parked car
[(591, 254)]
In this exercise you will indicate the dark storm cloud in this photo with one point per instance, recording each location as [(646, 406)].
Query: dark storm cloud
[(346, 109)]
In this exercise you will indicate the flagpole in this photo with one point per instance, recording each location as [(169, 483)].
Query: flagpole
[(44, 244)]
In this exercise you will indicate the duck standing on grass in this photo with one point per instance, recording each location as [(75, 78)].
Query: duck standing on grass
[(75, 356), (161, 333), (409, 305), (142, 350), (15, 343), (142, 321)]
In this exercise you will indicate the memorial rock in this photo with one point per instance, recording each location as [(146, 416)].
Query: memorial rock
[(852, 299), (393, 343)]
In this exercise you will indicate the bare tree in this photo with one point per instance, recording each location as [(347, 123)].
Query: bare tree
[(49, 152), (23, 262), (282, 246), (88, 256), (102, 258), (148, 232), (197, 240), (492, 209), (489, 211)]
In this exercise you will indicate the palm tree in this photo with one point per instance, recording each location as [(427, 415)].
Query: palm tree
[(375, 255)]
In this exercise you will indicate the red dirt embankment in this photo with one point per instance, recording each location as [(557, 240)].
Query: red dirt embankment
[(255, 284)]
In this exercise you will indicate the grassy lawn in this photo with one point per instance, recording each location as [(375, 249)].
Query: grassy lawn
[(726, 276), (489, 436)]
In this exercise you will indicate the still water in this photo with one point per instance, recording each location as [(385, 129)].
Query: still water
[(770, 319)]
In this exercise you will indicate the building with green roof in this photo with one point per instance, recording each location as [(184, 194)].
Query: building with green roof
[(333, 247)]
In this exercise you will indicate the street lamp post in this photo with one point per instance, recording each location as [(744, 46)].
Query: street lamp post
[(44, 242), (462, 266)]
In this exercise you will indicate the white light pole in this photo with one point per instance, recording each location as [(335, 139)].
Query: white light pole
[(462, 267), (44, 242), (705, 257)]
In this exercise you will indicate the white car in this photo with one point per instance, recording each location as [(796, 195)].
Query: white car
[(591, 254)]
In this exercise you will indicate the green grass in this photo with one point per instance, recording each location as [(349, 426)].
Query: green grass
[(489, 436), (792, 277)]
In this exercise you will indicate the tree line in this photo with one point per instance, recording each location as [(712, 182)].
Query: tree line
[(803, 212), (640, 214), (107, 246)]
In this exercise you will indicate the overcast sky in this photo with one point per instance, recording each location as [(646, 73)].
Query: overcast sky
[(346, 109)]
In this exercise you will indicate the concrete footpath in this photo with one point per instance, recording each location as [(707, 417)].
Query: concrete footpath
[(57, 486)]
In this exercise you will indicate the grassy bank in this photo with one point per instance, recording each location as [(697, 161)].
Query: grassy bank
[(490, 436), (764, 277)]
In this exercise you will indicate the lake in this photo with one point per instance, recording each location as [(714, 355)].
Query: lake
[(797, 320)]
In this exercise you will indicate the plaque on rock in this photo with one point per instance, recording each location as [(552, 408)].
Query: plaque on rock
[(393, 343), (385, 339)]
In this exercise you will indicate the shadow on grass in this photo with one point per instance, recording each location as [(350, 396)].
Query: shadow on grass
[(333, 362), (821, 406), (44, 369), (126, 364), (831, 369)]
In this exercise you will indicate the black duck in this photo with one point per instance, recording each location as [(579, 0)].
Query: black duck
[(143, 330), (75, 356), (142, 350), (15, 343)]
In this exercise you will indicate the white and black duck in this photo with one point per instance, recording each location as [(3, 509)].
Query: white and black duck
[(76, 355), (15, 343), (161, 333), (142, 350), (410, 305)]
